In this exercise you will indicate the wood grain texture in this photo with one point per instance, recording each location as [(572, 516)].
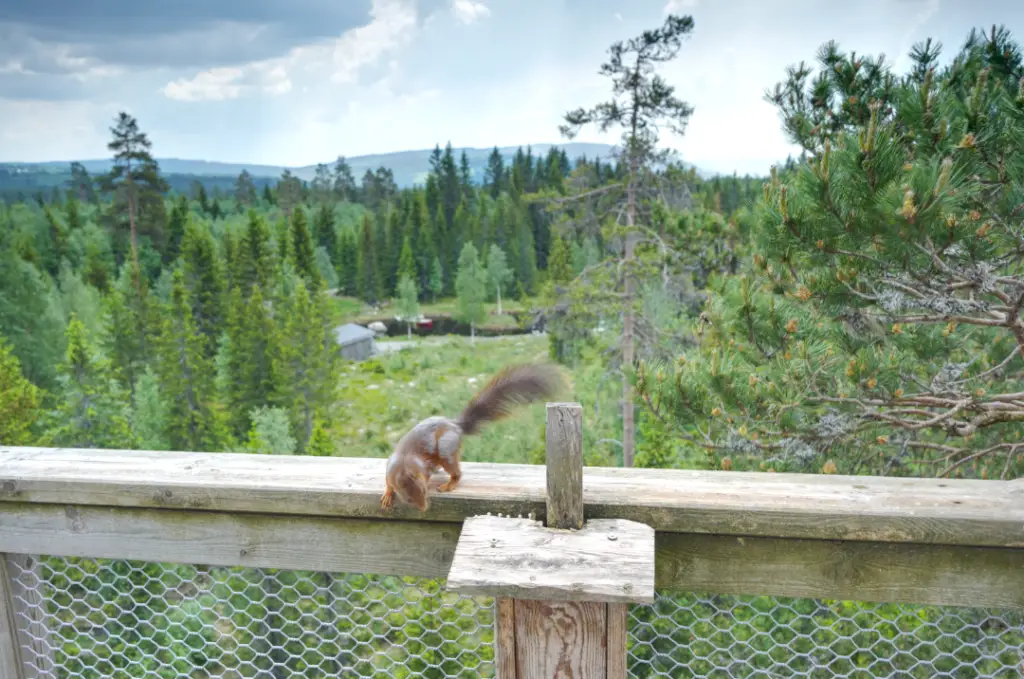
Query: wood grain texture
[(33, 635), (618, 630), (10, 653), (941, 575), (505, 638), (218, 539), (606, 560), (817, 506), (564, 446), (560, 640)]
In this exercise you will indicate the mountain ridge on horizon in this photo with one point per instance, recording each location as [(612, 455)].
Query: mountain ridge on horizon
[(409, 167)]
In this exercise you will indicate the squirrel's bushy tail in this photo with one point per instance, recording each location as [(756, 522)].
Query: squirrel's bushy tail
[(512, 386)]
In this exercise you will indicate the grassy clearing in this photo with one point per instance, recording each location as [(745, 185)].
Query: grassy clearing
[(382, 398)]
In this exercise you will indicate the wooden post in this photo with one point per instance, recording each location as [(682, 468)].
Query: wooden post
[(22, 623), (561, 590)]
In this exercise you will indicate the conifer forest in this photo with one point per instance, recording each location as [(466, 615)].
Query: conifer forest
[(856, 310)]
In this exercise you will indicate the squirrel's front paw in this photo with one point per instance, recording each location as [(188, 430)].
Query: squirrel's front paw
[(387, 499)]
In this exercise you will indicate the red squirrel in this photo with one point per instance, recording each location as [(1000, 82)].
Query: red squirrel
[(436, 442)]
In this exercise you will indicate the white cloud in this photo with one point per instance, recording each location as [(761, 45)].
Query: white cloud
[(391, 26), (469, 11), (677, 6)]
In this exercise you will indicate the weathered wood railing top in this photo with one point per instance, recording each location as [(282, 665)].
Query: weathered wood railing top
[(808, 506)]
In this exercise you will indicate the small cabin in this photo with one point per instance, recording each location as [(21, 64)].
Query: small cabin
[(357, 343)]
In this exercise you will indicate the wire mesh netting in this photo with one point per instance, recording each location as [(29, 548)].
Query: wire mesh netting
[(733, 637), (93, 619)]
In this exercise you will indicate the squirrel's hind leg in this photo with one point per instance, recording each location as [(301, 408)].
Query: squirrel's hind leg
[(451, 465)]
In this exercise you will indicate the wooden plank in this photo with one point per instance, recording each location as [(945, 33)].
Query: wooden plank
[(566, 639), (816, 506), (216, 539), (942, 575), (606, 560), (505, 638), (10, 653), (35, 647), (926, 574), (564, 445), (618, 631)]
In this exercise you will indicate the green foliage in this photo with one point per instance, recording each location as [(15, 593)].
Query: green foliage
[(186, 377), (436, 282), (559, 266), (19, 400), (407, 305), (302, 248), (879, 330), (320, 444), (204, 282), (471, 287), (149, 413), (253, 357), (308, 361), (368, 276), (499, 275), (270, 433), (92, 409)]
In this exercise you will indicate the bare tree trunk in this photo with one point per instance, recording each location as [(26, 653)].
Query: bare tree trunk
[(499, 300), (628, 427)]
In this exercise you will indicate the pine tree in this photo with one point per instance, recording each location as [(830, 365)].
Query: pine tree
[(92, 409), (421, 232), (270, 433), (136, 182), (344, 182), (186, 375), (129, 320), (643, 102), (307, 363), (368, 272), (289, 192), (204, 283), (471, 288), (407, 305), (20, 400), (885, 289), (302, 248)]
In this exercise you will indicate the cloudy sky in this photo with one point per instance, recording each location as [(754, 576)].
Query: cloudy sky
[(301, 81)]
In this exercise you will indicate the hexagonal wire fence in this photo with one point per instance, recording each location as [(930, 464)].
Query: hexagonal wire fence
[(93, 619)]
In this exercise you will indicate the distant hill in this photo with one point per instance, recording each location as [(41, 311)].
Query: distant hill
[(409, 167)]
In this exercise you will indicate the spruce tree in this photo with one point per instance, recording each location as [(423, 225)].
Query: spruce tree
[(254, 357), (92, 409), (176, 229), (323, 228), (20, 400), (559, 266), (307, 363), (302, 248), (186, 376), (348, 261), (368, 272), (204, 283), (494, 175), (436, 278), (406, 262), (320, 444), (245, 191), (256, 255)]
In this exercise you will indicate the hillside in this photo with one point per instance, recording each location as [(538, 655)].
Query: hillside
[(409, 167)]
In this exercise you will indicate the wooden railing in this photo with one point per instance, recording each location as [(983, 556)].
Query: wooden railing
[(922, 541)]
